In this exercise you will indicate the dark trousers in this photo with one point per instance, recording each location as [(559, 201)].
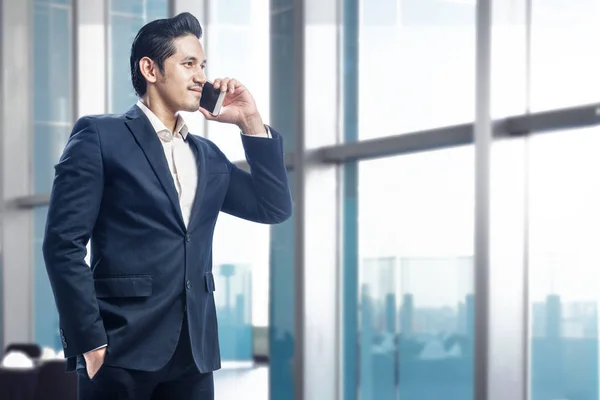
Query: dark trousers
[(179, 379)]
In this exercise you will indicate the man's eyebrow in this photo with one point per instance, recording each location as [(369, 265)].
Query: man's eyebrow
[(192, 58)]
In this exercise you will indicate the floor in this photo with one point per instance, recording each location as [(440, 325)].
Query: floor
[(253, 382)]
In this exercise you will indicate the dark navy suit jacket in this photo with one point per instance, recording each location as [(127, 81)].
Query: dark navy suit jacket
[(113, 186)]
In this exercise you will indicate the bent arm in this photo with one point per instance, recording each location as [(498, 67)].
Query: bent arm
[(263, 195), (74, 206)]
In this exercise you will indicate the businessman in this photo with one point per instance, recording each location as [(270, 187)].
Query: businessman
[(140, 323)]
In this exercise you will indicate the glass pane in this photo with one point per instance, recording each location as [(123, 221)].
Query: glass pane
[(415, 235), (53, 120), (134, 7), (564, 67), (234, 310), (242, 281), (122, 30), (564, 274), (145, 9), (46, 315), (416, 65), (122, 33), (281, 308), (54, 2), (509, 59), (52, 90), (157, 9), (279, 86), (239, 50), (50, 142), (234, 12)]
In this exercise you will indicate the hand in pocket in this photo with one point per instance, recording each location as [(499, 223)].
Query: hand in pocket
[(94, 360)]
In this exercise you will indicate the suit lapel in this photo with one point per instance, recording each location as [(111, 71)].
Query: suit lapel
[(198, 149), (144, 134)]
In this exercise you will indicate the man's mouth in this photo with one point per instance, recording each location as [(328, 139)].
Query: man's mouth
[(196, 89)]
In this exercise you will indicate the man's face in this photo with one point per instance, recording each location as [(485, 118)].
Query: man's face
[(180, 87)]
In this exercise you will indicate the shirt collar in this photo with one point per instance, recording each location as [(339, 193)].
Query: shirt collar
[(161, 130)]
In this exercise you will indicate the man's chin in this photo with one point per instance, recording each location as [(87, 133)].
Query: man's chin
[(190, 107)]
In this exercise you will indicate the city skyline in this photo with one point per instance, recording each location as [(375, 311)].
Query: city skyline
[(425, 353)]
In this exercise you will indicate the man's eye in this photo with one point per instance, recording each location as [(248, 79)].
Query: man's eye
[(189, 64)]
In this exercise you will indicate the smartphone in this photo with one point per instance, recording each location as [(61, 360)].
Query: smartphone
[(212, 99)]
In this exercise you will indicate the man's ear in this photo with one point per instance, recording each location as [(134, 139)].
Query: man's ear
[(149, 69)]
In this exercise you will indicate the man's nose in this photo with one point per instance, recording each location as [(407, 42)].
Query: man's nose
[(200, 77)]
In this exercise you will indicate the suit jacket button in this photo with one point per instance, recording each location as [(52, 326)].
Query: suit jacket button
[(188, 237), (188, 284)]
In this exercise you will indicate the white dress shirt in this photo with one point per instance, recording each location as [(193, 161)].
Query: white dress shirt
[(181, 160), (180, 157)]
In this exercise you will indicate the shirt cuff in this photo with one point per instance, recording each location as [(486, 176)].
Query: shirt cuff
[(262, 135), (104, 345)]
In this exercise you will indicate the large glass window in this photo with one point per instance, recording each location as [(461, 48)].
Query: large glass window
[(125, 20), (237, 46), (509, 86), (53, 87), (414, 214), (564, 217), (564, 70), (559, 70), (408, 220), (282, 289), (53, 120), (416, 65), (242, 280), (282, 266), (416, 309)]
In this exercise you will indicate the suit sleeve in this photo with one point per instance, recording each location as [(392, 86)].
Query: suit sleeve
[(74, 205), (263, 195)]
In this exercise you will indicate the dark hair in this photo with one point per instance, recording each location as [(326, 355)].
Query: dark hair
[(155, 41)]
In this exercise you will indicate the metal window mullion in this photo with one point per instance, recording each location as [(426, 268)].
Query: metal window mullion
[(434, 139), (483, 143), (54, 6), (299, 25), (525, 347), (458, 135), (500, 332), (73, 18), (3, 168), (108, 60), (16, 120), (207, 17), (130, 15)]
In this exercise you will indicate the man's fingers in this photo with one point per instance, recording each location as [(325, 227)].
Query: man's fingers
[(96, 369), (232, 85), (94, 361), (221, 84), (94, 366), (206, 114), (226, 84)]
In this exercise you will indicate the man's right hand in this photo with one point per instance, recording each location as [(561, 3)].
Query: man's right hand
[(94, 360)]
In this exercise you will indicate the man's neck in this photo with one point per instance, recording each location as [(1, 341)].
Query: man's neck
[(166, 116)]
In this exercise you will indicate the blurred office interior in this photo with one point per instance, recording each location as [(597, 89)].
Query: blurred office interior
[(446, 206)]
